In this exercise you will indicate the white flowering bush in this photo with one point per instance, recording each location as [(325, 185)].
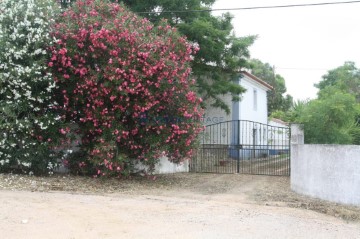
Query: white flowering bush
[(28, 126)]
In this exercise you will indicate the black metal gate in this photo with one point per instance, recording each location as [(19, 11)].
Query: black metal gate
[(243, 146)]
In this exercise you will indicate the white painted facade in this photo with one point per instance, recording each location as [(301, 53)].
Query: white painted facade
[(252, 107), (247, 123)]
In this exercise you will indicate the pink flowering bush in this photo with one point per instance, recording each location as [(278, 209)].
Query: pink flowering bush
[(126, 84)]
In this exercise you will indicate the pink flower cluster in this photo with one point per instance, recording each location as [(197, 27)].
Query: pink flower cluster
[(112, 67)]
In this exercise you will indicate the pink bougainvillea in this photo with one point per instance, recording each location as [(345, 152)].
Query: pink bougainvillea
[(126, 83)]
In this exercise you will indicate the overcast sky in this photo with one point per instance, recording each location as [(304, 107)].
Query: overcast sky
[(302, 43)]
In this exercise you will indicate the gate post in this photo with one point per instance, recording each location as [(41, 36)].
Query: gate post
[(297, 139), (297, 134)]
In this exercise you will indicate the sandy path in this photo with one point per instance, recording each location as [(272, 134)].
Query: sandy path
[(172, 215)]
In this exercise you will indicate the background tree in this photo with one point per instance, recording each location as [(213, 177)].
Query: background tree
[(293, 113), (221, 53), (345, 78), (276, 99), (330, 119)]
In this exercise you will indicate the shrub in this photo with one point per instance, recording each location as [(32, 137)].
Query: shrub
[(126, 84), (28, 128)]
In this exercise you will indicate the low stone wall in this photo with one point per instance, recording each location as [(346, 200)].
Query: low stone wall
[(330, 172), (164, 166)]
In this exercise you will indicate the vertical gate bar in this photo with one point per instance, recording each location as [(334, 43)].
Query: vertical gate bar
[(233, 128), (253, 148), (209, 151), (246, 143), (221, 153), (229, 146), (238, 147), (210, 167), (277, 148), (217, 149), (234, 143), (278, 159), (266, 142), (289, 155), (284, 157)]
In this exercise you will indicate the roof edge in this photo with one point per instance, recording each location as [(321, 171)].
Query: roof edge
[(258, 80)]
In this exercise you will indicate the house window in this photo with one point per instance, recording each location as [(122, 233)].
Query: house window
[(255, 99)]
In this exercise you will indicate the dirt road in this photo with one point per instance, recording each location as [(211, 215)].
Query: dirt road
[(210, 208)]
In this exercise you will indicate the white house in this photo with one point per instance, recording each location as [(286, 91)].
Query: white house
[(227, 129), (245, 130), (279, 135), (252, 107)]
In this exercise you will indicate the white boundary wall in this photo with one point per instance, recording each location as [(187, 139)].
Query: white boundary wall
[(164, 166), (329, 172)]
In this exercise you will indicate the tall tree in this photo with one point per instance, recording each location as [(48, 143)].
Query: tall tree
[(345, 77), (334, 117), (293, 114), (221, 53), (330, 119), (276, 99)]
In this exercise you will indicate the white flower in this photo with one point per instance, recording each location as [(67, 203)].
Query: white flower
[(26, 164), (26, 86)]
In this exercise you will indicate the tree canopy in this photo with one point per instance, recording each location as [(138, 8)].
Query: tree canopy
[(332, 118), (345, 77), (221, 54)]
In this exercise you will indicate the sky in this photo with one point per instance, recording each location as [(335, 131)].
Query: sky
[(302, 43)]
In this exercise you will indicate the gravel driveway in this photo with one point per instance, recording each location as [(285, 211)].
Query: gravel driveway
[(175, 206)]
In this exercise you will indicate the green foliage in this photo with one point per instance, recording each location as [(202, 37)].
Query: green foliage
[(221, 54), (293, 114), (330, 119), (276, 99), (345, 78)]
